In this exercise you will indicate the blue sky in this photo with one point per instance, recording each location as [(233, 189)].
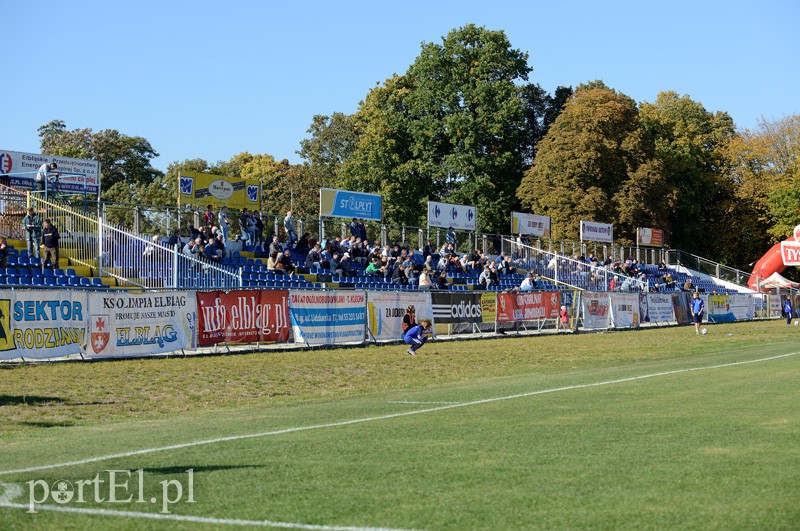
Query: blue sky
[(212, 79)]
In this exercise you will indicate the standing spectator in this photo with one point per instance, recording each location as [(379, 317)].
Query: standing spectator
[(258, 229), (224, 223), (698, 307), (409, 319), (563, 318), (787, 308), (354, 229), (175, 239), (50, 239), (244, 220), (288, 225), (362, 229), (209, 218), (32, 224), (40, 181), (417, 336)]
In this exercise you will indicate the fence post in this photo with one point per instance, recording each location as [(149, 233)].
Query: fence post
[(175, 252), (100, 227), (421, 240)]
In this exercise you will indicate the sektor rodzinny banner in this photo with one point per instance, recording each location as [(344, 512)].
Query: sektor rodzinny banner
[(42, 324), (139, 324), (242, 316)]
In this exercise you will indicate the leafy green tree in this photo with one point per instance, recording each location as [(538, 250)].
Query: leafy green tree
[(333, 139), (455, 127), (690, 144), (596, 163), (122, 158)]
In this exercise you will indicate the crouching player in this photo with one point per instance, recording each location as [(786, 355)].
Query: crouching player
[(417, 335)]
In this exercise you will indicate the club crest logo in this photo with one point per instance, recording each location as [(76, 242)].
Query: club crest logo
[(252, 193), (187, 184), (99, 333)]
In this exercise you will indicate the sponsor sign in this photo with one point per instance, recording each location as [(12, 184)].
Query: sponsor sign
[(596, 313), (42, 324), (203, 189), (649, 237), (346, 204), (386, 310), (77, 175), (489, 307), (659, 308), (456, 307), (741, 306), (790, 252), (139, 324), (624, 310), (446, 215), (775, 306), (530, 224), (527, 306), (597, 232), (242, 316), (327, 318)]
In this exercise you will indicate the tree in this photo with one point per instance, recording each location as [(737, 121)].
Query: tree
[(122, 158), (333, 139), (690, 143), (596, 164), (453, 128)]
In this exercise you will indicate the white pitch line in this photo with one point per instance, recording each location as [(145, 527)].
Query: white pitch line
[(381, 417), (193, 519), (413, 402)]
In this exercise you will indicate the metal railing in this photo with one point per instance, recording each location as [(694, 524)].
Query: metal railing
[(564, 271)]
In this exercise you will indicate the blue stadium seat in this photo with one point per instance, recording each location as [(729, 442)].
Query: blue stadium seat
[(74, 281), (71, 272), (85, 281), (37, 281), (59, 273), (24, 281), (34, 261), (62, 281), (97, 282)]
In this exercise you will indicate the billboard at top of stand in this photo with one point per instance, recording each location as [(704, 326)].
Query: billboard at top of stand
[(347, 204), (202, 189), (597, 232), (77, 175), (446, 215)]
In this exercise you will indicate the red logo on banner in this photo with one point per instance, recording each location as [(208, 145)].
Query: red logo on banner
[(527, 306), (790, 252), (242, 317), (98, 336)]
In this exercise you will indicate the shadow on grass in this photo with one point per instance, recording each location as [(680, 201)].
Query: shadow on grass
[(15, 400), (45, 424)]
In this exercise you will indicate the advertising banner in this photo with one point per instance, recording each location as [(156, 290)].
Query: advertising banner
[(659, 308), (139, 324), (718, 309), (450, 307), (42, 324), (530, 224), (527, 306), (327, 318), (597, 232), (649, 237), (488, 307), (75, 173), (387, 308), (596, 314), (446, 215), (681, 306), (624, 310), (790, 252), (741, 305), (346, 204), (242, 316), (775, 307), (203, 189)]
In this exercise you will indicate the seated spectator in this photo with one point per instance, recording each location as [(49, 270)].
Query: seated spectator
[(302, 246), (3, 252), (272, 263), (285, 262), (489, 277), (193, 247), (507, 266), (210, 252), (275, 246), (428, 265), (374, 268), (429, 250), (440, 280), (150, 250), (175, 239), (527, 282), (424, 280), (219, 245), (399, 275), (314, 257), (688, 286), (344, 267)]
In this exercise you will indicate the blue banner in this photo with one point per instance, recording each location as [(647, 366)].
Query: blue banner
[(346, 204)]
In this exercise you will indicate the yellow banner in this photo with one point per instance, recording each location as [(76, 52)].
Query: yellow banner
[(203, 189)]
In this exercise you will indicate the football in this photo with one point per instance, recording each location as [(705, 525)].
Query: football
[(704, 331)]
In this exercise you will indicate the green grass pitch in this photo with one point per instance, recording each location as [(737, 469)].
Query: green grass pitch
[(654, 428)]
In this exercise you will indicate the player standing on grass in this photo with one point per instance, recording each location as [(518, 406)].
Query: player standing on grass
[(698, 306), (417, 336)]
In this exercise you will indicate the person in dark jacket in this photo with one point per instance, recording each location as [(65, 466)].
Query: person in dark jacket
[(50, 239)]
